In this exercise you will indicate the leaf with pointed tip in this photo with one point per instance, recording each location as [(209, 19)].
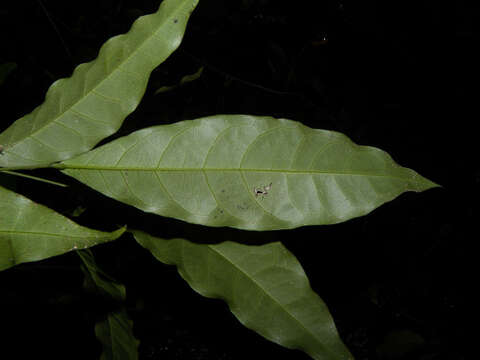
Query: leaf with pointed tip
[(264, 286), (80, 111), (115, 332), (32, 232), (247, 172)]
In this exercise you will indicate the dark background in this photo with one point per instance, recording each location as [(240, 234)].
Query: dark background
[(392, 74)]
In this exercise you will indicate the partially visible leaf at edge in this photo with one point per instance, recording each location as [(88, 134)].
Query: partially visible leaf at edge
[(265, 287), (247, 172), (184, 80), (115, 332), (81, 110), (32, 232)]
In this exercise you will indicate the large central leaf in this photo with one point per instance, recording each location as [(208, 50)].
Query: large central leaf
[(80, 111), (246, 172)]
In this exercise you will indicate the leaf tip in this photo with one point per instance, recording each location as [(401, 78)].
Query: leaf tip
[(119, 232), (425, 184)]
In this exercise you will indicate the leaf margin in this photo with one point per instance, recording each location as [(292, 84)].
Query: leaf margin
[(161, 249), (26, 151), (79, 168), (11, 256)]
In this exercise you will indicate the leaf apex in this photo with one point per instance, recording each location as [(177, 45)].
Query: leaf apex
[(424, 184)]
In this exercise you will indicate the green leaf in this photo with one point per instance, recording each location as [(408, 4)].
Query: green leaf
[(184, 80), (115, 332), (32, 232), (246, 172), (80, 111), (98, 280), (264, 286)]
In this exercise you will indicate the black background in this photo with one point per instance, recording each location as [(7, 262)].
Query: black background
[(397, 75)]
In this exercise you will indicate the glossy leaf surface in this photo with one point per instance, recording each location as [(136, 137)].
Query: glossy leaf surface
[(264, 286), (81, 110), (247, 172), (115, 332), (32, 232)]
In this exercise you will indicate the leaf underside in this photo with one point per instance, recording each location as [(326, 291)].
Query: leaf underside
[(81, 110), (32, 232), (264, 286), (247, 172)]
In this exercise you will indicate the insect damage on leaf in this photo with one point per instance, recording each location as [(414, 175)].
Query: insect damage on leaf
[(262, 191)]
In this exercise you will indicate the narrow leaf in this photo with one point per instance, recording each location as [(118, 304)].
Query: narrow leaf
[(98, 280), (32, 232), (80, 111), (115, 332), (264, 286), (184, 80), (247, 172)]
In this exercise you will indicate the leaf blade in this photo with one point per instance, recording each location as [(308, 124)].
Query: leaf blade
[(81, 110), (264, 286), (247, 172), (115, 332), (32, 232)]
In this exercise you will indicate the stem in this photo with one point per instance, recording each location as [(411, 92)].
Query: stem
[(33, 178)]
